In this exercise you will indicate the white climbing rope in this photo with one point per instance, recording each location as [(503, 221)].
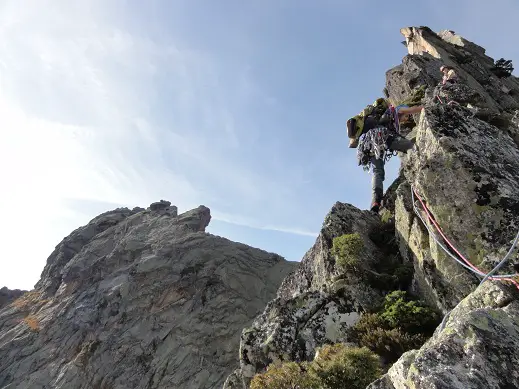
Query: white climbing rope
[(472, 268)]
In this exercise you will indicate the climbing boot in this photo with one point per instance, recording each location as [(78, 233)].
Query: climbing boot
[(375, 207)]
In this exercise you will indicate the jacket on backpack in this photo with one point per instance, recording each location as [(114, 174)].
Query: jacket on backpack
[(366, 120)]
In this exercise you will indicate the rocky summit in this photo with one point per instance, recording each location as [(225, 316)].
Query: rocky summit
[(145, 298), (461, 176), (141, 298)]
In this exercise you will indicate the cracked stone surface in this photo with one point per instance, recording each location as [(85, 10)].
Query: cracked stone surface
[(465, 163), (477, 349), (316, 303), (137, 299)]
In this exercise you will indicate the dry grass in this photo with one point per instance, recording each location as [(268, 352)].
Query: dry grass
[(32, 322), (29, 300)]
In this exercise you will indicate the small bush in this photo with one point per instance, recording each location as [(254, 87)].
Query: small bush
[(411, 316), (415, 98), (347, 249), (400, 325), (390, 344), (335, 367), (386, 216), (503, 68), (404, 273), (338, 366)]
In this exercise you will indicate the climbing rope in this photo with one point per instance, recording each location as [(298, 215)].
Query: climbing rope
[(467, 264), (451, 102)]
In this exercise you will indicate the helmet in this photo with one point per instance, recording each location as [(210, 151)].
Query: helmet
[(442, 68)]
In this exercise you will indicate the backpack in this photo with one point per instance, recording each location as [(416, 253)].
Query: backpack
[(356, 125)]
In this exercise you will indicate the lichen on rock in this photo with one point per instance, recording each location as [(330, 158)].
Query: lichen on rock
[(465, 166)]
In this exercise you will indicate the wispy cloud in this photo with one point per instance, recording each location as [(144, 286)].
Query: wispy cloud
[(241, 221), (93, 111)]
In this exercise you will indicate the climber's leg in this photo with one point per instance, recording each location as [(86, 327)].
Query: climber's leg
[(377, 183), (402, 144)]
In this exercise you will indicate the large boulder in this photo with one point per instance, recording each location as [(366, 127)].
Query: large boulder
[(477, 347)]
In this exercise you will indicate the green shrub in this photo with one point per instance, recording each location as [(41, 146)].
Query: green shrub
[(411, 316), (335, 367), (399, 326), (385, 216), (338, 366), (286, 375), (347, 249), (415, 98), (390, 344)]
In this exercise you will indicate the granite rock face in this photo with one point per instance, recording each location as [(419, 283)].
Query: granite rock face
[(465, 164), (137, 299), (318, 302), (465, 167), (476, 349)]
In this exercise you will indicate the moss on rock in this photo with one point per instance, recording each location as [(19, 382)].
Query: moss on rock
[(347, 248)]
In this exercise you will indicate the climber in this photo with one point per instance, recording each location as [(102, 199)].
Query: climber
[(449, 75), (381, 137)]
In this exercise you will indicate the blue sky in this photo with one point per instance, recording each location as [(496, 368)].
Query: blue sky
[(237, 105)]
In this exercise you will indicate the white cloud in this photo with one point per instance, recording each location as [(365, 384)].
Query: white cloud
[(245, 222), (94, 112)]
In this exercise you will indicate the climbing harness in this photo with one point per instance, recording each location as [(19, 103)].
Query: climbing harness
[(374, 143)]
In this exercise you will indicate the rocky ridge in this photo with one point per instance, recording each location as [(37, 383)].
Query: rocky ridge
[(144, 298), (7, 295), (465, 166), (141, 298)]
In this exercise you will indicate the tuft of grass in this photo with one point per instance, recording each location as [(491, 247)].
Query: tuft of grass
[(32, 322), (347, 248), (284, 375), (29, 299), (334, 367)]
